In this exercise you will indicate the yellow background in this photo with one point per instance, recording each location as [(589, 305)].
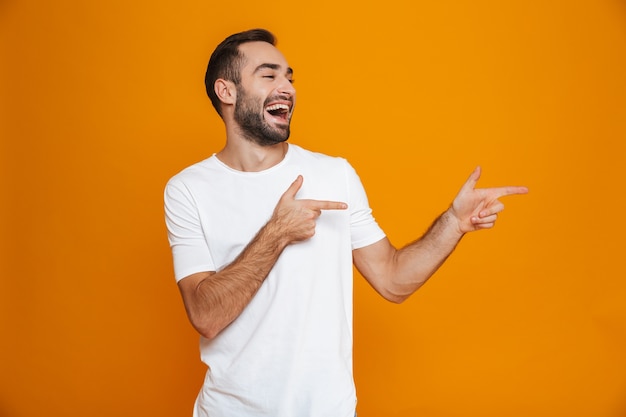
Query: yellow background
[(102, 102)]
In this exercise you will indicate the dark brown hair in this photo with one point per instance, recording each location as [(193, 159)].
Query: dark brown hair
[(226, 60)]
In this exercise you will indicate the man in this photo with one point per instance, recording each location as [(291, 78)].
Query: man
[(264, 235)]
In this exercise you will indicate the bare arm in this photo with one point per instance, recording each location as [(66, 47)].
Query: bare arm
[(396, 274), (214, 299)]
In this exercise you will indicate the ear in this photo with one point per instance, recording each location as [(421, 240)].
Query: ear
[(225, 91)]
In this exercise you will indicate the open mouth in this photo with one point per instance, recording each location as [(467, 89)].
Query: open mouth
[(279, 111)]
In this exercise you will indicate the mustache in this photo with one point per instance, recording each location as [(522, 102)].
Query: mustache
[(279, 97)]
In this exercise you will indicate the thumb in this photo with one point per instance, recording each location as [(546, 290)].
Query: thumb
[(470, 184), (294, 188)]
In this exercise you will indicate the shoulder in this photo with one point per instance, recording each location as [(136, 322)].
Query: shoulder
[(194, 174), (301, 155)]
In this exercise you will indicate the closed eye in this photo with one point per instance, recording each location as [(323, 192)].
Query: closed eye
[(271, 77)]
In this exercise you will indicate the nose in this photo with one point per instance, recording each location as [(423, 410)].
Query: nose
[(286, 87)]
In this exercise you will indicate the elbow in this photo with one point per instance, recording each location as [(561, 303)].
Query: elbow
[(206, 333), (400, 293), (396, 298), (206, 328)]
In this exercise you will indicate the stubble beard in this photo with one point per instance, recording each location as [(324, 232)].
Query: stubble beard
[(253, 125)]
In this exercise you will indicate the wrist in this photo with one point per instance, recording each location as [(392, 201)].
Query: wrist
[(273, 234), (452, 222)]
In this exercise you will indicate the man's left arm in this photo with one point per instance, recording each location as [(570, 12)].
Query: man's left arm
[(398, 273)]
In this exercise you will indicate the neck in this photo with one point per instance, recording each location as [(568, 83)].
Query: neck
[(247, 156)]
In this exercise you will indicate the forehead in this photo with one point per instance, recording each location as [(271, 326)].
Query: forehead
[(260, 53)]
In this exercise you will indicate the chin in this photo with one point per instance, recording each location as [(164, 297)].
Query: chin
[(276, 138), (274, 141)]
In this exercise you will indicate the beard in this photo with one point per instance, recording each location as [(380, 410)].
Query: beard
[(253, 125)]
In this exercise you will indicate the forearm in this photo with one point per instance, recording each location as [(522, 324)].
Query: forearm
[(214, 300), (396, 274), (416, 262), (218, 299)]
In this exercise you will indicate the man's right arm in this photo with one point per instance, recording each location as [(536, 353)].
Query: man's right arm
[(214, 299)]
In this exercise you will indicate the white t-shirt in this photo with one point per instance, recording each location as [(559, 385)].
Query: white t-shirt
[(289, 353)]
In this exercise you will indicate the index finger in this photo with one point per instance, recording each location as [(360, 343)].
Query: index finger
[(504, 191), (325, 205)]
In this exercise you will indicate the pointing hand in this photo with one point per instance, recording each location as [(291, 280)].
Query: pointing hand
[(295, 218), (478, 208)]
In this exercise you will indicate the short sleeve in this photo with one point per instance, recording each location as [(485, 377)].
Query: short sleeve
[(364, 229), (189, 248)]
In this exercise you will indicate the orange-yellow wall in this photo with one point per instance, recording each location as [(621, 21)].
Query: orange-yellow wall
[(101, 102)]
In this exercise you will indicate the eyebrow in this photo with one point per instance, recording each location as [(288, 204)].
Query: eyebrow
[(274, 67)]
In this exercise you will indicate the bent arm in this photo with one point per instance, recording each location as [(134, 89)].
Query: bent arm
[(397, 273), (214, 299)]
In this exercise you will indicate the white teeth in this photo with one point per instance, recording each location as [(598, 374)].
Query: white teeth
[(277, 107)]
